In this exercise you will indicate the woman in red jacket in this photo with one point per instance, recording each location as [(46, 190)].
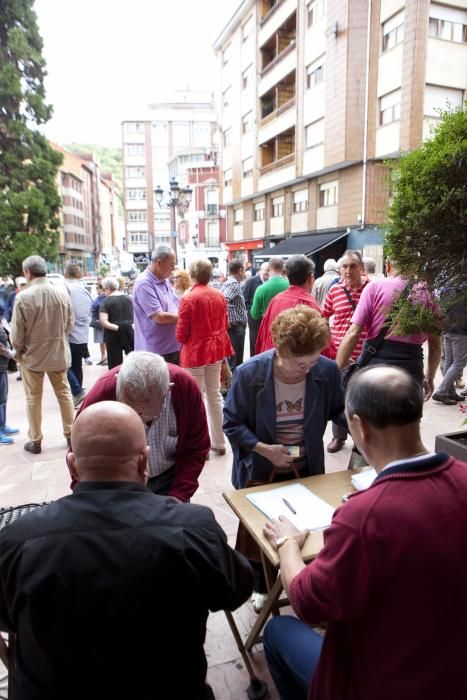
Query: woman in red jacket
[(202, 331)]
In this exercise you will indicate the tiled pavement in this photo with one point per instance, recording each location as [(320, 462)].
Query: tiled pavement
[(28, 478)]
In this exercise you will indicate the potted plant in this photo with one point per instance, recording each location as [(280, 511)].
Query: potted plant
[(455, 444)]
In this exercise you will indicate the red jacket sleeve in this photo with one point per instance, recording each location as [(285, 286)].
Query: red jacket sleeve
[(193, 434)]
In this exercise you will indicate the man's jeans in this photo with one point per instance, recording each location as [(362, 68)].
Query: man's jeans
[(455, 359), (237, 337), (292, 651), (75, 372)]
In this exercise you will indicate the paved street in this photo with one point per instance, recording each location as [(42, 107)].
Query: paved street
[(29, 478)]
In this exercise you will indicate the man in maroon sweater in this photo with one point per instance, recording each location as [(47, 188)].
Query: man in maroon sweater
[(170, 405), (391, 579)]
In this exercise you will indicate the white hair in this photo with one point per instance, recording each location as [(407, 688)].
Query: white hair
[(110, 283), (142, 374), (161, 252)]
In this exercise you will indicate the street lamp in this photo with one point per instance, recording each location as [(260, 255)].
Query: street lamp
[(175, 198)]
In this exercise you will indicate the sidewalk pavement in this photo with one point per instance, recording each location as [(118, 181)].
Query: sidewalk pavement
[(27, 478)]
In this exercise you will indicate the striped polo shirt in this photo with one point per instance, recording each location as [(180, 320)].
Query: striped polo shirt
[(337, 304)]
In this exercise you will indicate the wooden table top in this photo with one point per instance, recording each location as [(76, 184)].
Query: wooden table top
[(329, 487)]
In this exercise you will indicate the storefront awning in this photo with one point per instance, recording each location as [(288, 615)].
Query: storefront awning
[(244, 245), (307, 244)]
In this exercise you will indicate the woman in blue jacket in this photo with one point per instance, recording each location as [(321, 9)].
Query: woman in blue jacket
[(280, 401)]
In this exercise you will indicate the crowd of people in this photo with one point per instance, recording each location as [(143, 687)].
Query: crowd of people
[(393, 555)]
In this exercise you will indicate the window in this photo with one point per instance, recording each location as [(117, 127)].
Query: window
[(315, 73), (246, 77), (181, 134), (247, 167), (389, 107), (328, 194), (450, 31), (238, 215), (133, 127), (226, 54), (212, 199), (134, 149), (247, 122), (227, 97), (316, 10), (258, 213), (228, 177), (440, 98), (202, 134), (137, 215), (212, 234), (227, 138), (247, 29), (300, 201), (393, 31), (277, 206), (135, 171), (314, 133), (138, 237), (136, 193)]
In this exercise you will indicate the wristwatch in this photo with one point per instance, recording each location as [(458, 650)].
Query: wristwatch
[(281, 540)]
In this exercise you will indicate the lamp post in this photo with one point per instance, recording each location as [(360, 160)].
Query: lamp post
[(173, 198)]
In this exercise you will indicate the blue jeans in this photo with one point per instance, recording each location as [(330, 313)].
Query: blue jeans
[(292, 651)]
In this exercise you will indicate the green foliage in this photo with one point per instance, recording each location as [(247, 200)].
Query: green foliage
[(29, 200), (110, 159), (427, 227), (103, 270)]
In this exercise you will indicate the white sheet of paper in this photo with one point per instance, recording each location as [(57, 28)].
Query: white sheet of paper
[(364, 479), (311, 511)]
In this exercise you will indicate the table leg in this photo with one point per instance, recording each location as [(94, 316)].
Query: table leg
[(269, 603)]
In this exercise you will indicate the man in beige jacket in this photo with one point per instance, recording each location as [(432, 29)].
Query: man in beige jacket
[(42, 320)]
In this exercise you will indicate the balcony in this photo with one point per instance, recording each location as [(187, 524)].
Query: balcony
[(278, 152), (280, 44), (278, 99)]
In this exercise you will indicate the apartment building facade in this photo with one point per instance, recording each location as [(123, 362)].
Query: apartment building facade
[(316, 95), (186, 124), (88, 214)]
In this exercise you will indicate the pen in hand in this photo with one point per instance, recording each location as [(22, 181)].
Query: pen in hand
[(289, 506)]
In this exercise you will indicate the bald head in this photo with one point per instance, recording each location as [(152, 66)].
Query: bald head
[(385, 396), (109, 443)]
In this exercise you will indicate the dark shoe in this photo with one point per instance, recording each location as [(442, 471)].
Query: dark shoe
[(464, 393), (218, 450), (457, 397), (79, 398), (444, 398), (335, 445), (19, 378), (33, 447), (102, 362)]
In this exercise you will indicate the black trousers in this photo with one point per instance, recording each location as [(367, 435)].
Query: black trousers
[(119, 342), (253, 329), (237, 338), (78, 351)]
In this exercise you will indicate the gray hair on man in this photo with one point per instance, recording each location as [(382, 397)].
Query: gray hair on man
[(370, 265), (298, 268), (161, 252), (142, 374), (110, 283), (330, 265), (276, 264), (35, 265)]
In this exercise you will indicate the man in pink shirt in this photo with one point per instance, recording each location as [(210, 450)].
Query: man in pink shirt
[(396, 350)]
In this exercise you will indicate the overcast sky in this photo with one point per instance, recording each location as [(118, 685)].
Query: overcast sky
[(107, 60)]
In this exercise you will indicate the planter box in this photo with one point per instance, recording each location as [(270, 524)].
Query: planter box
[(455, 444)]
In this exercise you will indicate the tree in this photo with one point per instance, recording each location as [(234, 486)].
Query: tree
[(29, 199), (427, 225)]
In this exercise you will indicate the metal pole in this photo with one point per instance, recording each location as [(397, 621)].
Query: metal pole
[(174, 229)]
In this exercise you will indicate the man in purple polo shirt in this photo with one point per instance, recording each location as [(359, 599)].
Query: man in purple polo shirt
[(155, 306)]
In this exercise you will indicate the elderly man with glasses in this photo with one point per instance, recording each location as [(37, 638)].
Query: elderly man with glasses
[(169, 403)]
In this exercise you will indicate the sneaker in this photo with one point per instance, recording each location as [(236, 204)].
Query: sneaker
[(6, 430), (33, 447), (5, 440), (258, 600), (87, 361), (78, 399)]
